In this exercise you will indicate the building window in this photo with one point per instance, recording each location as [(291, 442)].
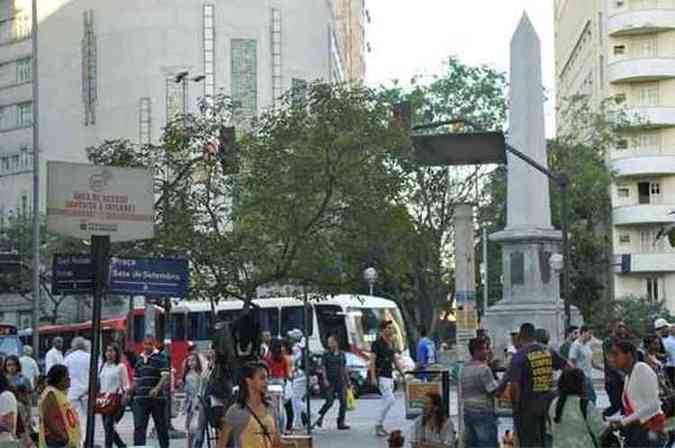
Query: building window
[(647, 94), (653, 289), (89, 95), (645, 47), (24, 115), (624, 238), (649, 142), (298, 89), (619, 3), (244, 77), (276, 54), (24, 70), (619, 49), (623, 192), (622, 144), (649, 193), (15, 28), (209, 51), (144, 121), (6, 121)]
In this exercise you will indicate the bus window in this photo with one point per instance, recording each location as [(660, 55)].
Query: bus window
[(178, 330), (269, 321), (367, 322), (293, 317), (139, 329), (331, 321), (198, 326), (229, 315)]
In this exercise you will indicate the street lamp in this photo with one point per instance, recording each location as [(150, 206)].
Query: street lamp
[(370, 276), (557, 262), (182, 78)]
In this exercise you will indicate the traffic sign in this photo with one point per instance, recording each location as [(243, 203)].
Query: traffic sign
[(73, 274), (166, 277)]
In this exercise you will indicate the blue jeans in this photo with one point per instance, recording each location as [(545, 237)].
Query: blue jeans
[(481, 429), (590, 391)]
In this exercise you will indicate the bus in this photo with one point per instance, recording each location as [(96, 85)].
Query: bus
[(354, 318), (10, 342)]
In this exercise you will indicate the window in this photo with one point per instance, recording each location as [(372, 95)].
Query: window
[(209, 48), (649, 141), (269, 321), (175, 98), (293, 317), (623, 192), (619, 3), (244, 66), (645, 47), (647, 94), (24, 70), (643, 193), (198, 326), (624, 238), (144, 121), (619, 49), (622, 144), (653, 288), (24, 114), (178, 326), (6, 116), (299, 89)]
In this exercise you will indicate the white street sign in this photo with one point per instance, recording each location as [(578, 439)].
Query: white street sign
[(85, 200)]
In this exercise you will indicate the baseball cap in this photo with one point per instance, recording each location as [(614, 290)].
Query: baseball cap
[(660, 323)]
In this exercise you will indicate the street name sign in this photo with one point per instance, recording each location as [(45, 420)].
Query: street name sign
[(86, 200), (166, 277), (73, 274)]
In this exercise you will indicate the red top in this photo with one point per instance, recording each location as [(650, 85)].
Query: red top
[(278, 369)]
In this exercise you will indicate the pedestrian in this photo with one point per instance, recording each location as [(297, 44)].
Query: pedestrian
[(571, 335), (669, 345), (614, 377), (78, 361), (23, 394), (113, 379), (581, 356), (426, 350), (643, 422), (266, 344), (300, 416), (280, 367), (433, 429), (531, 375), (55, 354), (151, 375), (193, 385), (59, 425), (29, 367), (336, 382), (478, 389), (662, 330), (8, 414), (575, 421), (250, 420), (382, 373)]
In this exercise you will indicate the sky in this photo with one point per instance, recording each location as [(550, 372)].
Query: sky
[(414, 37)]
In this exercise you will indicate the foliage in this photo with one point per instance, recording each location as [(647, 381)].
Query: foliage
[(638, 313)]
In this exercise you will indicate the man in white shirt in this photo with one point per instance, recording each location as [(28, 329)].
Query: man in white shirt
[(581, 357), (77, 362), (54, 355), (669, 346), (29, 367)]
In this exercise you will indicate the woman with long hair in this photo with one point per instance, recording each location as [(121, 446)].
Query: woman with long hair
[(113, 379), (643, 422), (8, 412), (281, 373), (433, 429), (194, 382), (575, 421), (23, 393), (59, 424), (250, 420)]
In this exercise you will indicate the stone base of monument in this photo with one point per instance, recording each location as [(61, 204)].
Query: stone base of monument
[(505, 317)]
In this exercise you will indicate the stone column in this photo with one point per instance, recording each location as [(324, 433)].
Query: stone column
[(465, 277)]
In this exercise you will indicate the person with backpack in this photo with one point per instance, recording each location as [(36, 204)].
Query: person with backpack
[(575, 421)]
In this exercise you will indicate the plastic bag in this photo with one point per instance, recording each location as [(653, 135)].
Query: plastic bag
[(351, 401)]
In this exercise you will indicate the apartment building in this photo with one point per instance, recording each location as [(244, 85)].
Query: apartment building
[(626, 48)]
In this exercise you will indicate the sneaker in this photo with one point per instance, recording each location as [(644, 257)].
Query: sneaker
[(380, 432)]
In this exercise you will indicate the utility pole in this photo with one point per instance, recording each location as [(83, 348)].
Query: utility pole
[(36, 181)]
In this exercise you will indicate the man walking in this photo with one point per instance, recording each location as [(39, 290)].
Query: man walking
[(382, 372), (151, 375), (478, 389), (571, 335), (669, 345), (335, 367), (531, 374), (77, 362), (581, 357), (29, 367), (54, 355)]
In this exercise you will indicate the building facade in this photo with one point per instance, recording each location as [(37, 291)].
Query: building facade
[(352, 18), (626, 48), (110, 70)]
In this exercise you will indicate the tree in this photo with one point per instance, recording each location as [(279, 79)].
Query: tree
[(269, 207)]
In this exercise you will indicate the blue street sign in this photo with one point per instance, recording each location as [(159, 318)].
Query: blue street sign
[(73, 274), (165, 277)]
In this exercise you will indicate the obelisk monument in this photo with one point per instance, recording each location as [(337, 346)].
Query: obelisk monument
[(529, 240)]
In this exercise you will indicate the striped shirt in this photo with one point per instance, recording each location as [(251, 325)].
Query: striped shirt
[(147, 373)]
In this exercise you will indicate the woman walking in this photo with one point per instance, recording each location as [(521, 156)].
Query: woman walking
[(22, 389), (643, 423), (195, 418), (281, 371), (575, 421), (251, 419), (59, 424), (113, 379), (8, 414)]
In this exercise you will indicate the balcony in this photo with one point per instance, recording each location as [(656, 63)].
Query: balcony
[(643, 214), (633, 69), (642, 21), (641, 166), (645, 263), (652, 116)]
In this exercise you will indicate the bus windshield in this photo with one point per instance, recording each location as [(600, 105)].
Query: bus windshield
[(367, 321)]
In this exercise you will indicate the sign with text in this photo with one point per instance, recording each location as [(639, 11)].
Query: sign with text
[(73, 274), (85, 200), (166, 277)]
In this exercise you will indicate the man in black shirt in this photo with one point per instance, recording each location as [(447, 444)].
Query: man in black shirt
[(337, 381), (382, 372), (151, 375)]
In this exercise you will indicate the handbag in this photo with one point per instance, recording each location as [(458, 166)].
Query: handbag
[(108, 403)]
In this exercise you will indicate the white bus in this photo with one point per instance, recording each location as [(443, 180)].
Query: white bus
[(354, 318)]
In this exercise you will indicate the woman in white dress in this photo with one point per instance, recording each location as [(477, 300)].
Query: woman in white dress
[(195, 418), (113, 379)]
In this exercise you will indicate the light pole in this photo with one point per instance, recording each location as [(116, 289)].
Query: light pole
[(370, 276), (556, 262), (183, 78), (36, 180)]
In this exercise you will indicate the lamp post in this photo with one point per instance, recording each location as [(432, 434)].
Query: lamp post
[(183, 78), (370, 276), (556, 262), (36, 180)]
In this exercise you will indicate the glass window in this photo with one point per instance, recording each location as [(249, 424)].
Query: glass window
[(624, 238), (367, 323), (269, 321), (331, 320), (293, 317), (178, 326), (6, 118), (24, 70), (198, 326), (139, 328), (623, 192), (24, 115)]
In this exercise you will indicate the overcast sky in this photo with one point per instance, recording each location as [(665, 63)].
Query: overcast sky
[(414, 37)]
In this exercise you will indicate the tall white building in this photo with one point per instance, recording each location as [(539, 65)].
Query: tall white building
[(108, 68), (626, 48)]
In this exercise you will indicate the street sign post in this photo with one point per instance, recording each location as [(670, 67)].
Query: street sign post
[(159, 277), (73, 274)]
